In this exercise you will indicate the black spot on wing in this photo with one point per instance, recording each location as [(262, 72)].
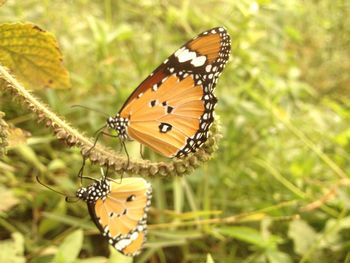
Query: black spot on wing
[(169, 109), (130, 198), (153, 103), (165, 127)]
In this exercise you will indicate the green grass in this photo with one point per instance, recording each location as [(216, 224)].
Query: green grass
[(277, 189)]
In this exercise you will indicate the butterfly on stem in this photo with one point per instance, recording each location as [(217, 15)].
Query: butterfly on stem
[(118, 209), (172, 110)]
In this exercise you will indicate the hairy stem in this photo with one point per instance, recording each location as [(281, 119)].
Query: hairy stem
[(101, 154)]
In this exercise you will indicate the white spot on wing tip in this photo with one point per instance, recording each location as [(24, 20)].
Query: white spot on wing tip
[(177, 53), (186, 55), (198, 61)]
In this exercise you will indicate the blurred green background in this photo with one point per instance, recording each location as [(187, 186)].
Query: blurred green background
[(279, 177)]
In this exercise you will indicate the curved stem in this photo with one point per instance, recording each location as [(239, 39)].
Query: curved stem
[(101, 154)]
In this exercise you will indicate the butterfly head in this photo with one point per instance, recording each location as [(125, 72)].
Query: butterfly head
[(98, 190), (82, 193), (119, 124)]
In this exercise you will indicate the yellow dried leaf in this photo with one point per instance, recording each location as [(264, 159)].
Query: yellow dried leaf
[(33, 55), (8, 199), (17, 136)]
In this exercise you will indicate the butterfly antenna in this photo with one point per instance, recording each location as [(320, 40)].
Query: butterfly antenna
[(49, 187), (91, 109), (68, 199)]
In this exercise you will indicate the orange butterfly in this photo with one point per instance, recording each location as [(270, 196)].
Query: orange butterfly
[(119, 210), (172, 109)]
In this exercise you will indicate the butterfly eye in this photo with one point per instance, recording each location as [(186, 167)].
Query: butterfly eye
[(130, 198)]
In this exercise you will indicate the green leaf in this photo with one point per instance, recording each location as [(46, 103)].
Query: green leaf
[(209, 259), (115, 256), (12, 250), (92, 260), (334, 229), (28, 154), (248, 235), (69, 250), (8, 199), (275, 256), (33, 55), (17, 136), (47, 224), (70, 220), (302, 235)]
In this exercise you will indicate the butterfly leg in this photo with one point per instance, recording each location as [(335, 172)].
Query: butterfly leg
[(126, 152), (141, 151), (105, 175), (81, 171), (97, 134), (107, 170), (123, 146)]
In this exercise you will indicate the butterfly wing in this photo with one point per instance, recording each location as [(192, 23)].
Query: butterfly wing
[(121, 216), (205, 54), (171, 111), (173, 121)]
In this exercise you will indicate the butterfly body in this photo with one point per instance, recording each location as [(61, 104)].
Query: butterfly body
[(119, 210), (171, 111)]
